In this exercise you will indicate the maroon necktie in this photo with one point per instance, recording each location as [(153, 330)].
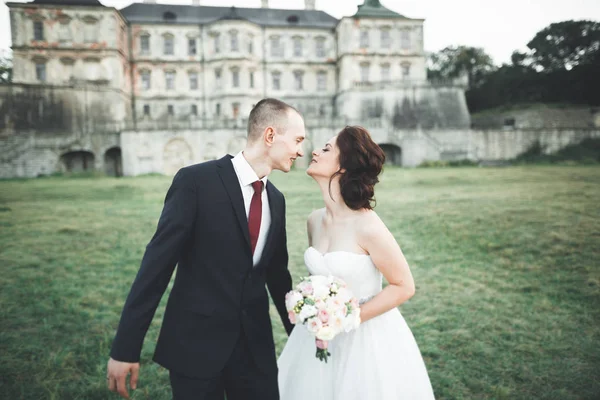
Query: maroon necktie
[(255, 214)]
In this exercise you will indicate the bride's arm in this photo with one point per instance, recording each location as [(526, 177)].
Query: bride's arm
[(387, 256)]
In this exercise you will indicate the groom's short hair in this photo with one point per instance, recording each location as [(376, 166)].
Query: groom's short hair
[(268, 112)]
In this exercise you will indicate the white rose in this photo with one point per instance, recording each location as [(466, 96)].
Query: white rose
[(292, 299), (325, 333), (314, 325), (307, 312), (320, 291), (351, 322), (344, 295), (334, 304), (319, 280), (337, 324)]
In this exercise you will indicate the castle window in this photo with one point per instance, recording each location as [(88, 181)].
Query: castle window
[(297, 46), (40, 71), (193, 80), (217, 43), (218, 77), (145, 76), (364, 72), (192, 46), (405, 39), (64, 29), (145, 44), (169, 44), (320, 47), (170, 80), (405, 70), (169, 16), (385, 72), (386, 39), (321, 81), (276, 49), (364, 38), (276, 80), (38, 30), (234, 41), (298, 80), (235, 77), (90, 29)]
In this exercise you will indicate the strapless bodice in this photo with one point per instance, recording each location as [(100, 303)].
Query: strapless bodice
[(357, 270)]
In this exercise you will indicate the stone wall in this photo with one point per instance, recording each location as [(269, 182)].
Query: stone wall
[(62, 109), (539, 117), (28, 155), (165, 151), (503, 145)]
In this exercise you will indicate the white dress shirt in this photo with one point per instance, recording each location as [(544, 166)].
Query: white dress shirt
[(246, 176)]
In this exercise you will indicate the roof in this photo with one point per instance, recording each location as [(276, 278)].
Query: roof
[(95, 3), (373, 8), (189, 14)]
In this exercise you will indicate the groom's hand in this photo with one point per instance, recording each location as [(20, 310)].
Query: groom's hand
[(116, 376)]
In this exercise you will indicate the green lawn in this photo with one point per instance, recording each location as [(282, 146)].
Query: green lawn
[(506, 263)]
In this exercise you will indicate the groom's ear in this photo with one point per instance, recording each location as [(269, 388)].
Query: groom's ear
[(269, 135)]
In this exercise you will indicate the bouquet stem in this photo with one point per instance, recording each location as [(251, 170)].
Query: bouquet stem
[(323, 354)]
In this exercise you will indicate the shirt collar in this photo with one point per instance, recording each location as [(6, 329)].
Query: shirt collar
[(244, 171)]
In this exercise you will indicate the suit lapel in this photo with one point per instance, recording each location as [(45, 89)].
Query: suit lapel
[(232, 186)]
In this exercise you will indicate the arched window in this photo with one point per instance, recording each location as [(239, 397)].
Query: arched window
[(169, 16)]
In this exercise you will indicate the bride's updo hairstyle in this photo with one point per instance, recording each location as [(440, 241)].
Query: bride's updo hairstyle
[(362, 160)]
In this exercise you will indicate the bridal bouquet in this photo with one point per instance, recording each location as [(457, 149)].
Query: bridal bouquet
[(325, 306)]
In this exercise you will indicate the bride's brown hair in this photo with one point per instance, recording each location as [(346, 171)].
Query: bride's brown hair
[(362, 160)]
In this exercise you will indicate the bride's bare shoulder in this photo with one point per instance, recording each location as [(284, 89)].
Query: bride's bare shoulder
[(315, 215), (370, 223), (313, 220)]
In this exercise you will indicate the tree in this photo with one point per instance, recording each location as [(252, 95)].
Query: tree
[(6, 67), (453, 61), (563, 46)]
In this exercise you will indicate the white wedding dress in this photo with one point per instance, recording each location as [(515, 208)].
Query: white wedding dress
[(379, 361)]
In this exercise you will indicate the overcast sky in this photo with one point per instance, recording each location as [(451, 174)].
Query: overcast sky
[(499, 30)]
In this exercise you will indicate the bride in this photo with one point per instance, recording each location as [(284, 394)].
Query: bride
[(380, 360)]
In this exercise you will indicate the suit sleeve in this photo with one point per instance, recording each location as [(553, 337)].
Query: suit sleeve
[(162, 254), (279, 280)]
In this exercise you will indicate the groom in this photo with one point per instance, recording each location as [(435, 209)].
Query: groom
[(223, 225)]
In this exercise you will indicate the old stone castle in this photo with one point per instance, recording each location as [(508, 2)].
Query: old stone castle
[(154, 87)]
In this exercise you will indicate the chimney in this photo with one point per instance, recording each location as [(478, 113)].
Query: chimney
[(149, 1), (195, 2), (309, 4), (264, 3)]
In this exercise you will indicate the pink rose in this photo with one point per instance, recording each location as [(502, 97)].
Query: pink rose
[(306, 288), (323, 316), (321, 344), (292, 317)]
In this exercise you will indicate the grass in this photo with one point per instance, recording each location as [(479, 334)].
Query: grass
[(505, 261)]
